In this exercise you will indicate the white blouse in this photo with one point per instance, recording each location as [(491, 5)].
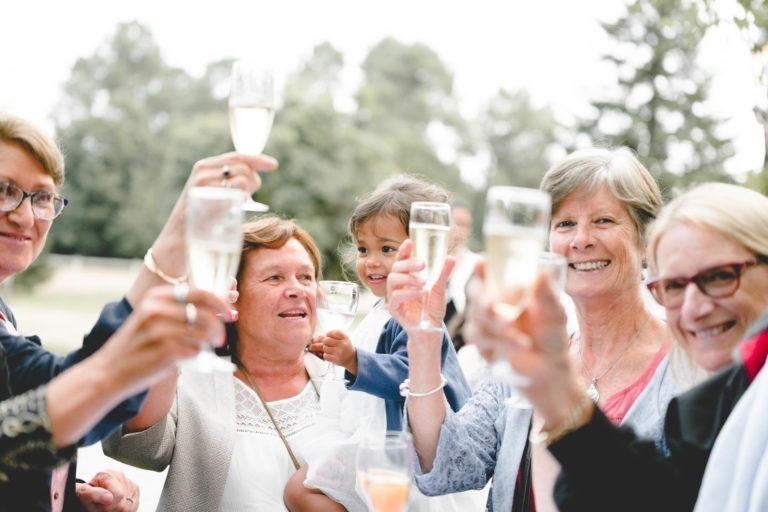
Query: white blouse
[(260, 465)]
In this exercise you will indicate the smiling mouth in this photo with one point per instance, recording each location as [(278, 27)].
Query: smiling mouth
[(377, 277), (588, 266), (711, 332), (18, 238), (296, 314)]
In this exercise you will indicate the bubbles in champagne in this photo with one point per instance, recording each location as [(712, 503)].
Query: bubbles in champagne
[(250, 127), (212, 264), (512, 257), (430, 245)]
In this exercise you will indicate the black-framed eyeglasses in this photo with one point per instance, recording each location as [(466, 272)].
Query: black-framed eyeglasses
[(45, 204), (716, 282)]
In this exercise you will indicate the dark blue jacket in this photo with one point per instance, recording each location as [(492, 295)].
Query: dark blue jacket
[(25, 365), (381, 373)]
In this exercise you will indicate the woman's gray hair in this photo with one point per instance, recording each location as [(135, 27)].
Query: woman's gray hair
[(619, 169)]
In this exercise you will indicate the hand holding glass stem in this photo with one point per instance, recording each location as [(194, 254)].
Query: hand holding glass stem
[(516, 229), (429, 229), (337, 303), (213, 244)]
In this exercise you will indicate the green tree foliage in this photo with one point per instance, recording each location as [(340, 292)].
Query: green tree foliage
[(330, 158), (752, 21), (520, 137), (405, 103), (131, 128), (658, 106), (324, 161)]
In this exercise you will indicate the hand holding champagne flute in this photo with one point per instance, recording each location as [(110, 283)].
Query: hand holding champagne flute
[(429, 228), (251, 111), (213, 244), (516, 227), (336, 309)]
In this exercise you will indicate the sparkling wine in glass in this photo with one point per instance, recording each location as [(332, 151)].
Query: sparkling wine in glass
[(429, 229), (516, 227), (336, 309), (214, 240), (251, 111), (556, 266), (384, 470)]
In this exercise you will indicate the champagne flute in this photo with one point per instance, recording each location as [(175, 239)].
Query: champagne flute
[(429, 227), (336, 309), (214, 241), (251, 112), (384, 470), (556, 267), (516, 227)]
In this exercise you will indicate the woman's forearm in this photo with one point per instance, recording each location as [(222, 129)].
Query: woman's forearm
[(426, 409), (78, 398)]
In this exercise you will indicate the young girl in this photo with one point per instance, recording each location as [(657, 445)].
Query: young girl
[(375, 360)]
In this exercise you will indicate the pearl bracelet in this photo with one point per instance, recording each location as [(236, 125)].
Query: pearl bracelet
[(151, 265), (405, 388)]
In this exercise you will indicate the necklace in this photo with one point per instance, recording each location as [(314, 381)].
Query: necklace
[(247, 374), (592, 389)]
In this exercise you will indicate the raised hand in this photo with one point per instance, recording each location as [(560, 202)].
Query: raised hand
[(405, 289)]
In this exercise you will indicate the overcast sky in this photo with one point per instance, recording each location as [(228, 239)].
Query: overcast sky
[(550, 47)]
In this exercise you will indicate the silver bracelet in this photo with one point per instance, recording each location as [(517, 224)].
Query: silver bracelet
[(405, 388)]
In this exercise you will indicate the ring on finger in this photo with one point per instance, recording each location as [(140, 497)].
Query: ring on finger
[(190, 312), (226, 172), (180, 292)]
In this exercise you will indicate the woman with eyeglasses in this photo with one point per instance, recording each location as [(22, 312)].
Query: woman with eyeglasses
[(707, 251), (49, 404)]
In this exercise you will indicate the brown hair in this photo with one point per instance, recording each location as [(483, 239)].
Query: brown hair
[(272, 232), (393, 197), (269, 232), (15, 130)]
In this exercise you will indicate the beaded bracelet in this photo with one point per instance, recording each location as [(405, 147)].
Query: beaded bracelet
[(151, 265), (405, 388)]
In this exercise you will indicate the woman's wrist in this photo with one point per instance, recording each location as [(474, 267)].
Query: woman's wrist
[(154, 268), (548, 430)]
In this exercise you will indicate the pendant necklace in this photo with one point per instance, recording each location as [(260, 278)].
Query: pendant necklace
[(592, 388)]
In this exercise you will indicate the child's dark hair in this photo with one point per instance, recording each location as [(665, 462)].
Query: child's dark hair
[(392, 197)]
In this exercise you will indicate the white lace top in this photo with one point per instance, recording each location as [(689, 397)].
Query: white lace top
[(260, 465)]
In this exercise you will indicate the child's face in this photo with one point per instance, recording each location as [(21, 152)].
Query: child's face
[(378, 240)]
